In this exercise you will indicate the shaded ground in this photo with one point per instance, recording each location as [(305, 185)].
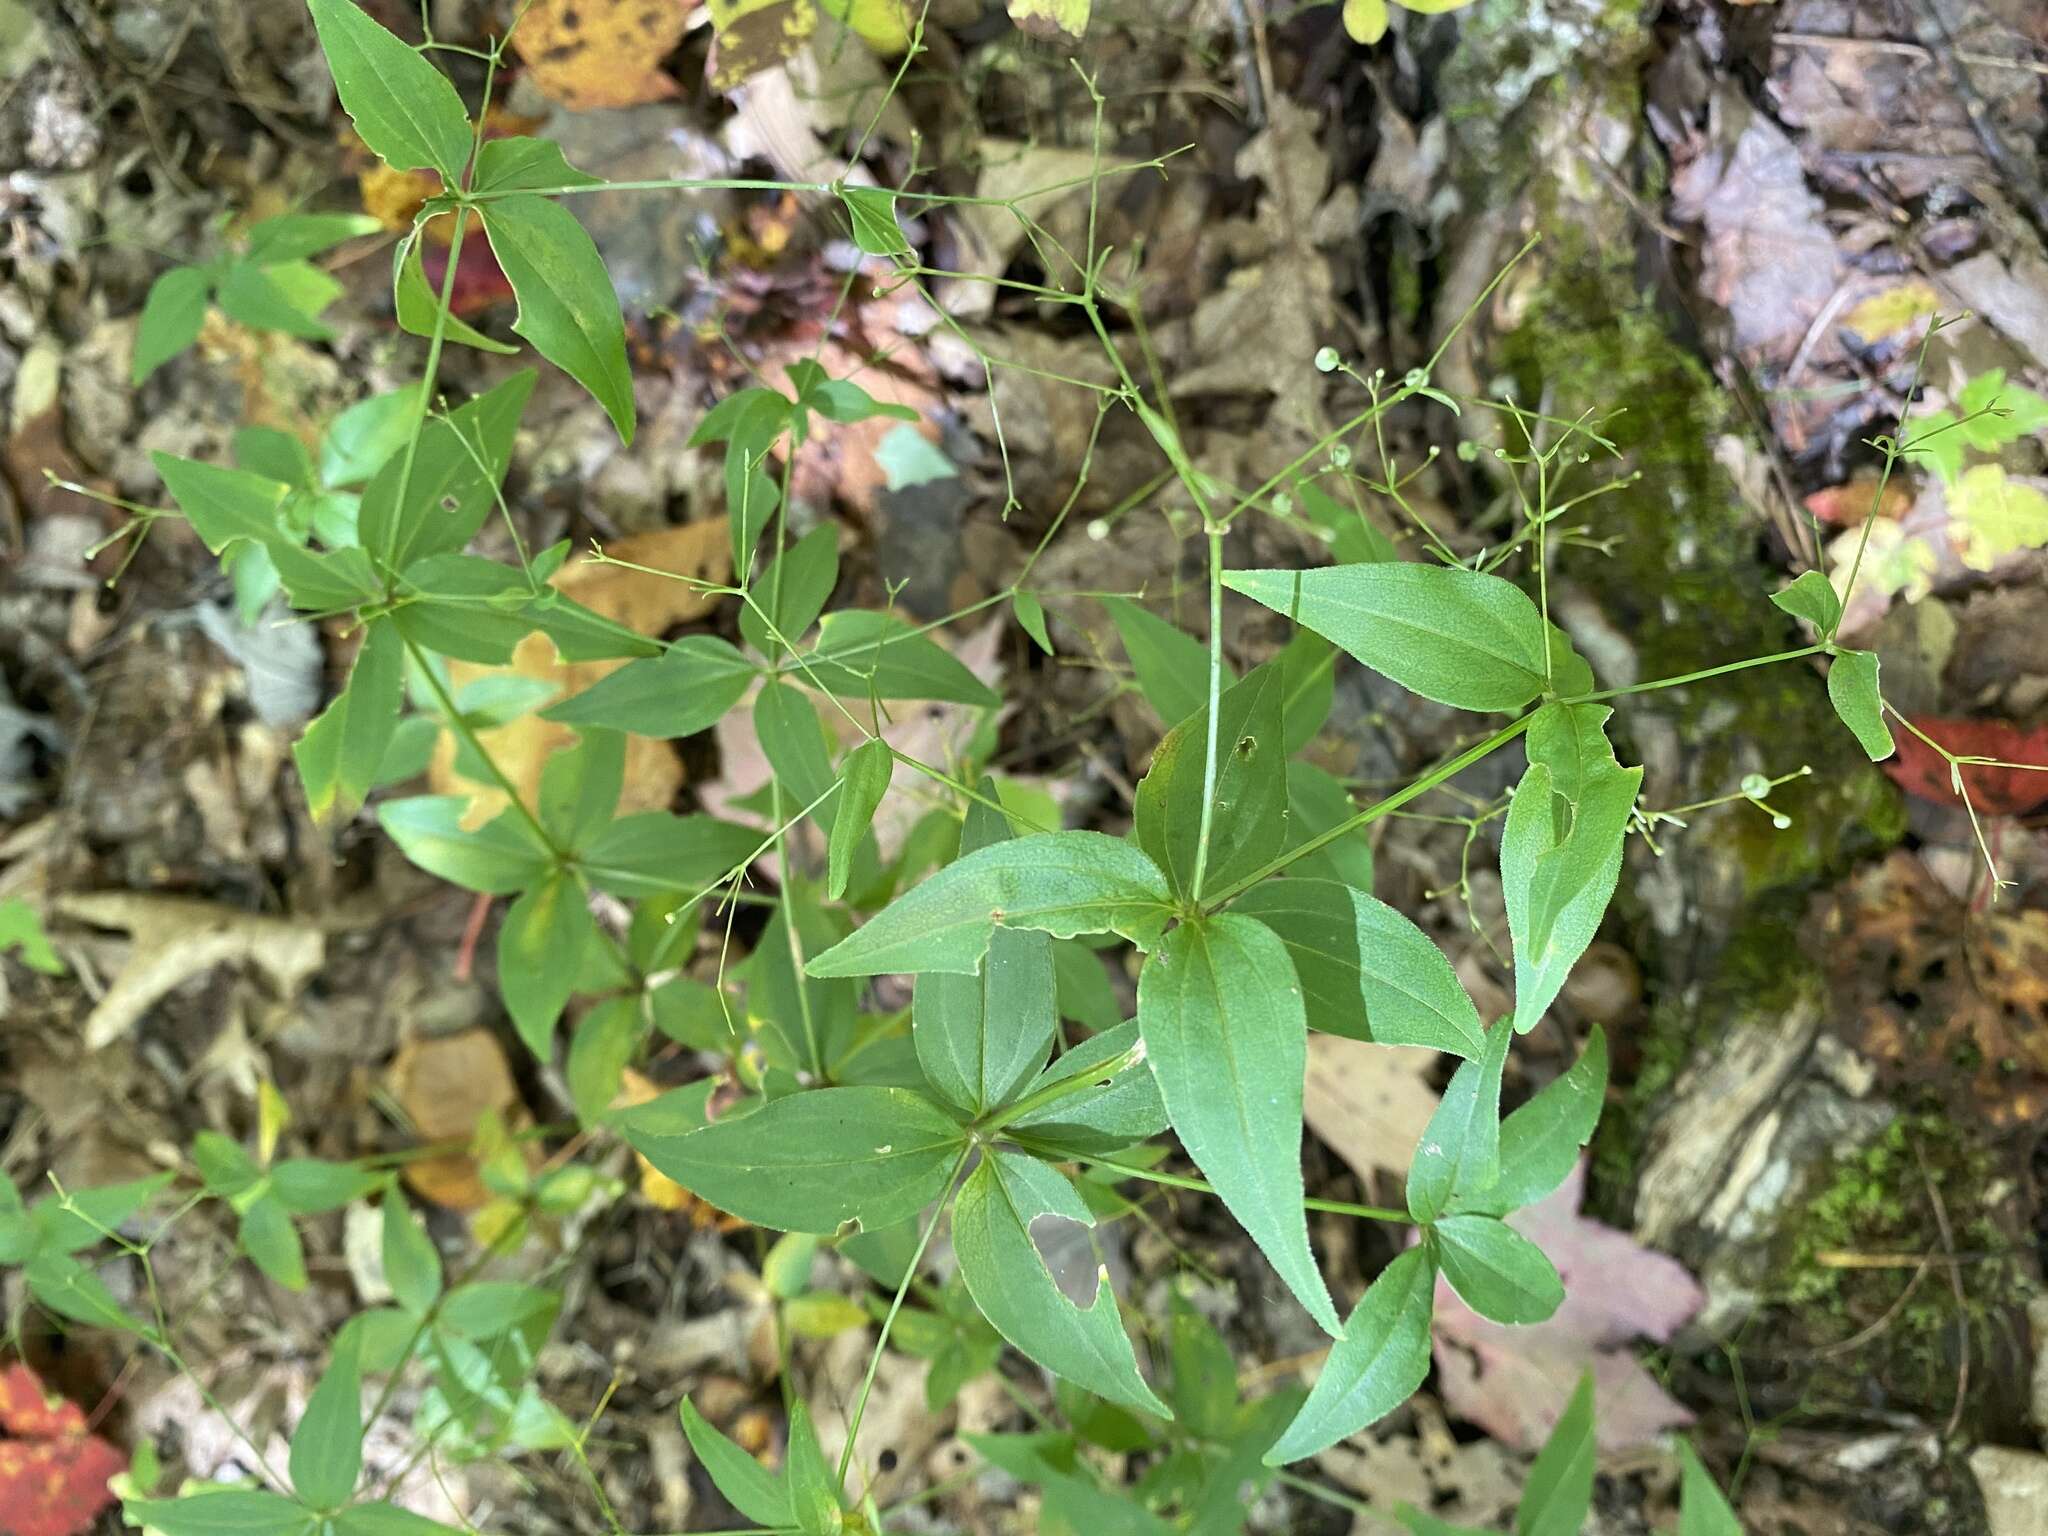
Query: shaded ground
[(1831, 1045)]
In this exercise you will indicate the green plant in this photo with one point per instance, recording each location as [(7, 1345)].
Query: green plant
[(268, 284), (1244, 889)]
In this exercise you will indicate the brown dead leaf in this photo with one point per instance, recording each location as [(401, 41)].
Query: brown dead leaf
[(177, 939), (1943, 995), (601, 53), (447, 1085), (1367, 1103), (755, 35), (643, 600)]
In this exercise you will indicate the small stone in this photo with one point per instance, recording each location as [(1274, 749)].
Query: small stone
[(2015, 1488)]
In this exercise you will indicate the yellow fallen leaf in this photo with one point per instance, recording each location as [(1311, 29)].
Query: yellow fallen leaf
[(600, 53), (449, 1085), (1992, 514), (643, 600), (1886, 314)]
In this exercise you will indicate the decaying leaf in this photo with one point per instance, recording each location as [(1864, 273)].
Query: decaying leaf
[(642, 600), (1944, 997), (754, 35), (1052, 21), (601, 53), (1514, 1382), (53, 1474), (1368, 1103), (447, 1085), (1886, 314), (177, 939), (1920, 770)]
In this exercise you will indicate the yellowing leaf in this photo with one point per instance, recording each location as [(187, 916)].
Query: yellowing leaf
[(1886, 314), (1897, 563), (1052, 21), (1992, 514), (642, 600), (600, 53), (884, 25)]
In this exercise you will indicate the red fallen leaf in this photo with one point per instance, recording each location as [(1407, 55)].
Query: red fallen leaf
[(479, 281), (1514, 1382), (1920, 770), (53, 1473)]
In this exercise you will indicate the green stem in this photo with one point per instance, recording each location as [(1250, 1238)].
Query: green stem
[(1065, 1088), (1204, 1187), (1696, 677), (1214, 724), (867, 1385)]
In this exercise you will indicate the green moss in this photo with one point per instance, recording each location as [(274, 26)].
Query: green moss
[(1878, 1203)]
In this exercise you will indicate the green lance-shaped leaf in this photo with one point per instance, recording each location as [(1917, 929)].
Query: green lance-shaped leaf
[(1459, 637), (747, 1485), (264, 1231), (171, 318), (1702, 1507), (1366, 971), (1559, 1493), (1378, 1363), (418, 307), (653, 851), (1460, 1148), (1009, 1282), (1062, 883), (403, 107), (981, 1038), (229, 1512), (1500, 1273), (342, 750), (1172, 668), (567, 307), (1852, 689), (412, 1264), (522, 164), (863, 781), (1571, 741), (382, 1519), (1812, 597), (792, 590), (453, 482), (1221, 1014), (1246, 805), (1557, 889), (814, 1491), (872, 211), (362, 439), (541, 944), (1116, 1111), (327, 1447), (496, 859), (810, 1162), (687, 689), (861, 653), (1540, 1142), (225, 505)]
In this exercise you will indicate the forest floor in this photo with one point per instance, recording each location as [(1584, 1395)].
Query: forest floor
[(1813, 1224)]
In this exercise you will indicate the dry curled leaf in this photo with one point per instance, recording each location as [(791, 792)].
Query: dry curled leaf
[(601, 53), (177, 939), (53, 1474), (644, 600), (1368, 1103)]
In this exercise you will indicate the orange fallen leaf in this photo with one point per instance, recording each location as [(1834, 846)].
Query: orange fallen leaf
[(53, 1474), (446, 1085), (643, 600), (601, 53)]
